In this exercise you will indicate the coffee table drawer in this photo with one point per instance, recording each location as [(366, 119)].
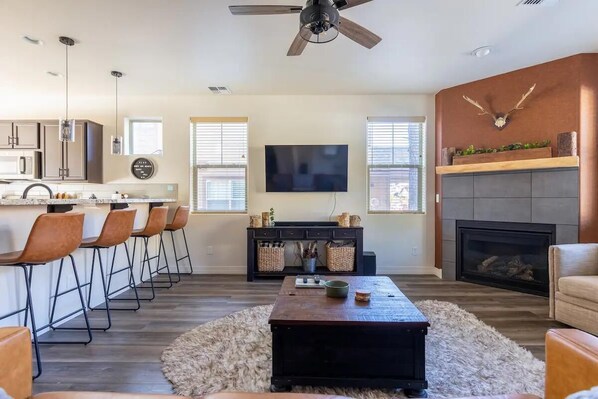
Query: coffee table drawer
[(319, 234), (266, 233), (291, 234), (341, 234)]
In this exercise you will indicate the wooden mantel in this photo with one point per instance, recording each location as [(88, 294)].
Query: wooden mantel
[(541, 163)]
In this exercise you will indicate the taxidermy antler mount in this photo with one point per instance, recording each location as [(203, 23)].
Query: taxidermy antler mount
[(500, 120)]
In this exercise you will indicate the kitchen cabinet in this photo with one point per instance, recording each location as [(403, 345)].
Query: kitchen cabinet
[(80, 160), (19, 134)]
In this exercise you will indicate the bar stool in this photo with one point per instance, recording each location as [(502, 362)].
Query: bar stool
[(156, 222), (116, 230), (53, 236), (181, 217)]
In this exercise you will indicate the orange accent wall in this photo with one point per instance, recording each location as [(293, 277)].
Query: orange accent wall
[(565, 99)]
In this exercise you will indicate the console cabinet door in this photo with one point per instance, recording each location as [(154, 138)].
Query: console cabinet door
[(5, 134), (52, 151), (26, 135), (75, 157)]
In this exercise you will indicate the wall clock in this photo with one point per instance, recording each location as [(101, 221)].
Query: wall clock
[(143, 168)]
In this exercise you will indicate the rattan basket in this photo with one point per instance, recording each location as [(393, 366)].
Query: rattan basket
[(340, 259), (270, 259)]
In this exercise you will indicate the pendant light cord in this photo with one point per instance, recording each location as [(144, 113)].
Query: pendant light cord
[(116, 111), (67, 82)]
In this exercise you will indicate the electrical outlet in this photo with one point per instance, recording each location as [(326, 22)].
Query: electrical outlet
[(414, 251), (210, 250)]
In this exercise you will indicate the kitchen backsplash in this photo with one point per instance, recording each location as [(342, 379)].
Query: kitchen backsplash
[(83, 190)]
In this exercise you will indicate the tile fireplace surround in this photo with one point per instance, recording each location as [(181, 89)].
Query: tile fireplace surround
[(534, 196)]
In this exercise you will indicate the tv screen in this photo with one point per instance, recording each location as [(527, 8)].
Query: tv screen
[(306, 168)]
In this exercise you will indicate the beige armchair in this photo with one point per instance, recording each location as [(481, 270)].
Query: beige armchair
[(573, 270)]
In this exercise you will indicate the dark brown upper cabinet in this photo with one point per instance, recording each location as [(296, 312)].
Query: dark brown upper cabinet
[(19, 134), (80, 160)]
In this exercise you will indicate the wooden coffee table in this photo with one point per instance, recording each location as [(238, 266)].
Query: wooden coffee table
[(324, 341)]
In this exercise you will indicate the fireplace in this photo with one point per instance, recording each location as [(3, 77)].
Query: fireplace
[(505, 255)]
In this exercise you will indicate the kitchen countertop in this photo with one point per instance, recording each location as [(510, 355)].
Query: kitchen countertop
[(81, 201)]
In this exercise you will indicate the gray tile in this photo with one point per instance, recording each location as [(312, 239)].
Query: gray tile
[(567, 234), (449, 271), (448, 229), (503, 185), (457, 186), (457, 208), (503, 209), (449, 251), (555, 210), (555, 183)]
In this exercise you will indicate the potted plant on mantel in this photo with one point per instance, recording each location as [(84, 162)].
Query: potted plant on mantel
[(511, 152)]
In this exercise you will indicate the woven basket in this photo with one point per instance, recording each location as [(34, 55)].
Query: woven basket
[(270, 259), (340, 259)]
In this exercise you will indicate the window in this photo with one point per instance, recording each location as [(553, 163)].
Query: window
[(396, 169), (219, 163), (144, 136)]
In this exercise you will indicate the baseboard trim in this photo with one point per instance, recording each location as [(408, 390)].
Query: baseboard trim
[(406, 270)]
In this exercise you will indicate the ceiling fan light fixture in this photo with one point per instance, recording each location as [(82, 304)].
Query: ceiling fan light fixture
[(319, 22)]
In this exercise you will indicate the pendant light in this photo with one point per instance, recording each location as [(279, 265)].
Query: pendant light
[(116, 140), (67, 126)]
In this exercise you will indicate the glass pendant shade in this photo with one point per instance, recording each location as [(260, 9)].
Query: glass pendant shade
[(319, 23), (117, 145), (66, 130)]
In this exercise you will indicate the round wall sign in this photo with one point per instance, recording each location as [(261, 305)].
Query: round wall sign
[(142, 168)]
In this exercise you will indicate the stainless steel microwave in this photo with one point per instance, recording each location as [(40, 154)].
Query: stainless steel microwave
[(20, 165)]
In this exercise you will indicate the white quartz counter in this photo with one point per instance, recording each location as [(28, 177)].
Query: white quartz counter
[(81, 201)]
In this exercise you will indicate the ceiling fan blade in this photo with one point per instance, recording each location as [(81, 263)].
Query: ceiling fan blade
[(350, 3), (264, 10), (358, 33), (297, 46)]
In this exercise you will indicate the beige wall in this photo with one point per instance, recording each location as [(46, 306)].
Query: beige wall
[(272, 120)]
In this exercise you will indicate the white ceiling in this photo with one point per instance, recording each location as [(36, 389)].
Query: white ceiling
[(173, 47)]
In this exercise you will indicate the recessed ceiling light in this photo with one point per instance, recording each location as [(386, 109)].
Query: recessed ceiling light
[(55, 74), (32, 40), (481, 52)]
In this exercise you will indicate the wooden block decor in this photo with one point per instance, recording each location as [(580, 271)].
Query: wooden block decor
[(567, 144), (515, 155), (446, 157)]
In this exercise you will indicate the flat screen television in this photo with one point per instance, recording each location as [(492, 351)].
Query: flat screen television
[(306, 168)]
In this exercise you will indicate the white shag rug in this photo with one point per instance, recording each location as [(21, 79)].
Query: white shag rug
[(464, 357)]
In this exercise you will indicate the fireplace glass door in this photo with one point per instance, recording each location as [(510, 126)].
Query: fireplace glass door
[(506, 255)]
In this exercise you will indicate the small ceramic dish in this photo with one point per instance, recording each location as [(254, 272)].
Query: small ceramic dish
[(337, 288)]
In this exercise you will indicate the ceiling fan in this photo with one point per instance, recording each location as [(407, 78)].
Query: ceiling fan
[(320, 22)]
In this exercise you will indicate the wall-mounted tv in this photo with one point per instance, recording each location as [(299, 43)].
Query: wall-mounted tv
[(306, 168)]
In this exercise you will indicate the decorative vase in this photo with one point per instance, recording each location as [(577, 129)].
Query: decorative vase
[(355, 221), (255, 221), (265, 219), (309, 265)]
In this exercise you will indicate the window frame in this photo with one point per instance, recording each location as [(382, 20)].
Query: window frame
[(421, 167), (195, 167), (129, 133)]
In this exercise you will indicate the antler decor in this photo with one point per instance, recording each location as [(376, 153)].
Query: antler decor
[(500, 120)]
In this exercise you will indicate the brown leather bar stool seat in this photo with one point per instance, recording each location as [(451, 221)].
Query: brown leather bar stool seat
[(181, 217), (53, 237), (117, 229), (156, 222)]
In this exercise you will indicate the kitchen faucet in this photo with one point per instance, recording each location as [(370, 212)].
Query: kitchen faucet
[(29, 187)]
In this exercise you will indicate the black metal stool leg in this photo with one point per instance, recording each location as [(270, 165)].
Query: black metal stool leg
[(146, 259), (29, 307), (176, 258), (188, 256), (130, 283), (104, 288), (82, 309)]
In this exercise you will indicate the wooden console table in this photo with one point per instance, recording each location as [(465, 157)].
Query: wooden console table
[(306, 231)]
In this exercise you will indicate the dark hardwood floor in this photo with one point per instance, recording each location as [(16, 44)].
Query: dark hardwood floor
[(127, 357)]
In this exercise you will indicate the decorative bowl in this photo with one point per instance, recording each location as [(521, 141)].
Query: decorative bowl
[(337, 288)]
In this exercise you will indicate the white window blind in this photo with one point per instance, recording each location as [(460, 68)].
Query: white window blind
[(219, 162), (396, 166)]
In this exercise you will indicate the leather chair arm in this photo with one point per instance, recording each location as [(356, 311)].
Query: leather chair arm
[(571, 362), (15, 362), (103, 395)]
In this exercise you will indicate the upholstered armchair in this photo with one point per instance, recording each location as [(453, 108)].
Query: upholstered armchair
[(573, 270)]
